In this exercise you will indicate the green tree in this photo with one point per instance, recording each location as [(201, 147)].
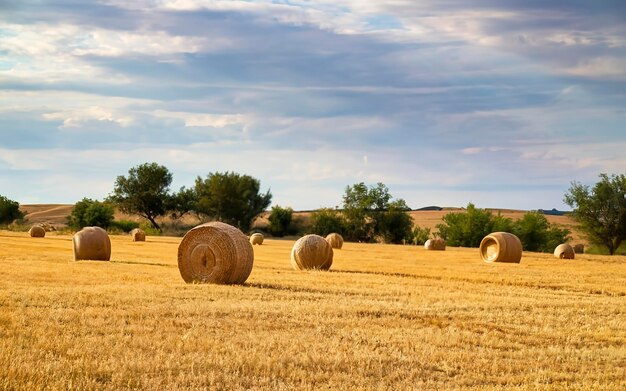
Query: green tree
[(280, 221), (601, 210), (467, 229), (420, 235), (9, 210), (231, 198), (144, 192), (537, 234), (394, 225), (326, 220), (182, 202), (88, 213), (369, 214)]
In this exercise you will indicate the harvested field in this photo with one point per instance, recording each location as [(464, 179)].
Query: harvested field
[(384, 317)]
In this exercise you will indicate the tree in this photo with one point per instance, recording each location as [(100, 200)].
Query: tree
[(420, 235), (369, 214), (9, 210), (601, 211), (87, 213), (144, 192), (326, 221), (231, 198), (394, 225), (182, 202), (537, 234), (469, 228), (280, 221)]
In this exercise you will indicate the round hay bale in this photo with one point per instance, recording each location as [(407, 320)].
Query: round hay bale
[(256, 238), (564, 251), (501, 247), (92, 243), (311, 252), (579, 248), (37, 232), (138, 234), (435, 244), (215, 253), (335, 240)]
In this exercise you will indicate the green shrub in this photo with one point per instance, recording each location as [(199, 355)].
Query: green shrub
[(326, 220), (537, 234), (420, 235), (280, 222), (469, 228), (9, 210), (395, 224), (124, 225), (88, 213)]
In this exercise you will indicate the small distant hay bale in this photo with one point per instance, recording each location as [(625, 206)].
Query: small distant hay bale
[(311, 252), (335, 240), (138, 235), (92, 243), (37, 231), (579, 248), (256, 238), (501, 247), (564, 251), (436, 244), (215, 253)]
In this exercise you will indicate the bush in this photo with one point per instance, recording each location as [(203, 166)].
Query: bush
[(87, 213), (536, 234), (326, 220), (420, 235), (280, 222), (124, 225), (468, 229), (9, 210), (394, 225)]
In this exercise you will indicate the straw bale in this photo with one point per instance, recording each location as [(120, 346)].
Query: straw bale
[(92, 243), (256, 238), (311, 252), (501, 247), (436, 244), (37, 231), (215, 253), (564, 251), (335, 240), (138, 234)]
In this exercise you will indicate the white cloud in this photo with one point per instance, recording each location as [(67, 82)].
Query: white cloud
[(202, 119)]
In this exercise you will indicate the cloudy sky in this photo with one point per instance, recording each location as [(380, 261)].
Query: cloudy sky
[(499, 103)]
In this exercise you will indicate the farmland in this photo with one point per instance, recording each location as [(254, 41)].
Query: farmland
[(384, 317)]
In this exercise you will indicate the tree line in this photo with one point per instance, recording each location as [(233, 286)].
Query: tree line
[(367, 214)]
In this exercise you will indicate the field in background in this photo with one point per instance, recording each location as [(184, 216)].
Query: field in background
[(56, 215), (385, 317)]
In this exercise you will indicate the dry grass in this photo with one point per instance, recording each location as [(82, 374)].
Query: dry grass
[(386, 317)]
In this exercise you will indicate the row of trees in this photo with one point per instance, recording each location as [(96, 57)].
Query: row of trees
[(367, 214), (229, 197)]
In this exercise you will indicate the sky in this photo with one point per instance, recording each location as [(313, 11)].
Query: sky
[(498, 103)]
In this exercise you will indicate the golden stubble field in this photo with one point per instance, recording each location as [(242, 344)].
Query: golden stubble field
[(386, 317)]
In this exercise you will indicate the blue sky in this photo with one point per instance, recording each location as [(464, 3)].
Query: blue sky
[(499, 103)]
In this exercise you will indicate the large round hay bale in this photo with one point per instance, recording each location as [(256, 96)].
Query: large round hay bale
[(311, 252), (579, 248), (37, 232), (92, 243), (215, 253), (436, 244), (501, 247), (138, 235), (335, 240), (256, 238), (564, 251)]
